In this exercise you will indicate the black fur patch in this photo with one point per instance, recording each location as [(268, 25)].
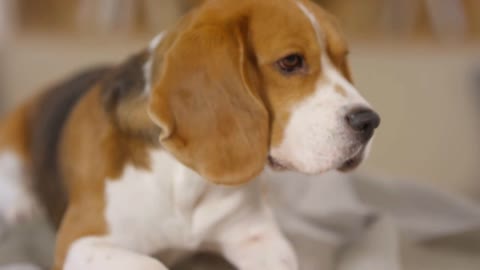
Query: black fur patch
[(52, 111), (124, 97), (125, 81), (119, 84)]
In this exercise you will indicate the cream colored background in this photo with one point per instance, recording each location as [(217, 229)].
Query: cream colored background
[(423, 91)]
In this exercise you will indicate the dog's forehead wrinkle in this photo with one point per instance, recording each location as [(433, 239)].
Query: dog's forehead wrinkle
[(330, 76), (315, 24)]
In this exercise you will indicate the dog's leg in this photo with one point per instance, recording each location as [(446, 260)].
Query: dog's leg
[(82, 242), (253, 245), (99, 254), (17, 203)]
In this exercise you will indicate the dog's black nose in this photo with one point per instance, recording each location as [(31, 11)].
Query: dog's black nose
[(363, 120)]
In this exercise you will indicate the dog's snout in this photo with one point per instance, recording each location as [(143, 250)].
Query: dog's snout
[(363, 120)]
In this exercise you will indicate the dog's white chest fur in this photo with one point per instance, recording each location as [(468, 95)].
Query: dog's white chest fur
[(144, 208), (168, 207)]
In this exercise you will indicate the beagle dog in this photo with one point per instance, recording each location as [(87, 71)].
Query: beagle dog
[(165, 152)]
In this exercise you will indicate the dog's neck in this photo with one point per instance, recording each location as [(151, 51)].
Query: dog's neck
[(193, 194)]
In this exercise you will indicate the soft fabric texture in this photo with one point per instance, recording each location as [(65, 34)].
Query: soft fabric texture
[(341, 222), (376, 223)]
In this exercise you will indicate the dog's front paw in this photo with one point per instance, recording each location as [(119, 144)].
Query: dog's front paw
[(263, 251)]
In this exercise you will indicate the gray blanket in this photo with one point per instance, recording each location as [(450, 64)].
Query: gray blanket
[(336, 222)]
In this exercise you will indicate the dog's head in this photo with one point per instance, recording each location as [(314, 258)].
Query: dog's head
[(237, 85)]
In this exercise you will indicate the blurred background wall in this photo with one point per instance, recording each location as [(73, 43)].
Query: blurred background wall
[(416, 61)]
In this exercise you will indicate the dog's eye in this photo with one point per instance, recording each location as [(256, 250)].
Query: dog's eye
[(291, 63)]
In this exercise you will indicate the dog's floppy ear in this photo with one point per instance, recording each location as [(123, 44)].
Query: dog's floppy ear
[(207, 104)]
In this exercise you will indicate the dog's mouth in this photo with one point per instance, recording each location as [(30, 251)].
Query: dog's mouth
[(276, 165), (349, 164), (352, 162)]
